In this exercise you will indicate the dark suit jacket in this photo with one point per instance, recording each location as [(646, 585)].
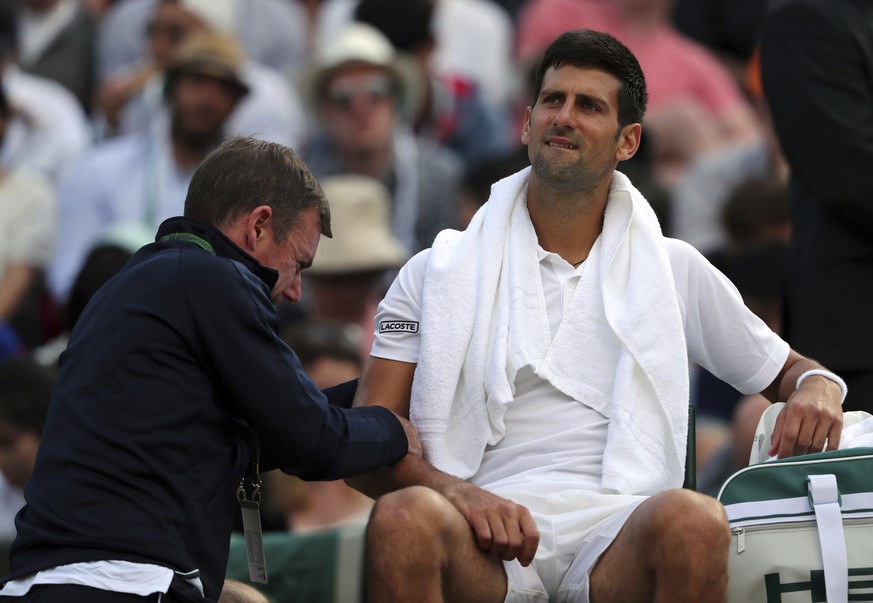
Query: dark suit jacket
[(817, 68)]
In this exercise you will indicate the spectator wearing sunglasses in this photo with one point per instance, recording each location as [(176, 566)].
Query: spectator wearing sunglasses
[(363, 96)]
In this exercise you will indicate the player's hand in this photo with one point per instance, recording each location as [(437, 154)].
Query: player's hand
[(812, 414), (501, 527)]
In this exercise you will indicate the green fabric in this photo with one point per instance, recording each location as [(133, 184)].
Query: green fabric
[(786, 478), (301, 568), (190, 238)]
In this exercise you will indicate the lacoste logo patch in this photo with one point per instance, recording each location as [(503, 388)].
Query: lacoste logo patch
[(398, 326)]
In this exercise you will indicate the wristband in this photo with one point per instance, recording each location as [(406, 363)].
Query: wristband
[(827, 375)]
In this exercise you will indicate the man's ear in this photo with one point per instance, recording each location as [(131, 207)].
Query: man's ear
[(257, 227), (525, 127), (628, 141)]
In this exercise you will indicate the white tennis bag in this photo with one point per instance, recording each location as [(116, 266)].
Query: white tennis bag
[(802, 527)]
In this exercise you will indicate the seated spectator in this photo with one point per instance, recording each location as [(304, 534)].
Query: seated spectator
[(141, 179), (25, 390), (28, 224), (57, 42), (132, 98), (273, 32), (700, 195), (50, 129), (453, 110), (757, 218), (105, 259), (476, 28), (462, 29), (478, 178), (348, 275), (361, 93)]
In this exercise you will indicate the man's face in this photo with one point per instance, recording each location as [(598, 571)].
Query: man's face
[(572, 130), (168, 28), (358, 108), (17, 453), (292, 256), (201, 105)]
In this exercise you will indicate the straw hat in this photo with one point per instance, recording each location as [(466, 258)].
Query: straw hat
[(212, 54), (362, 44), (362, 238)]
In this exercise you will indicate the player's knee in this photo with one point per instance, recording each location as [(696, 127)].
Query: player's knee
[(415, 512), (691, 521)]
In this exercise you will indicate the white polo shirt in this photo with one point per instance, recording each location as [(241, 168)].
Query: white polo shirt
[(553, 442)]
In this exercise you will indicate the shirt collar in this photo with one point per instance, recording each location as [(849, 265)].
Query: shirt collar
[(214, 241)]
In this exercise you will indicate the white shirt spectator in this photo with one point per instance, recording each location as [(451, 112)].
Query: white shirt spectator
[(480, 29), (127, 180), (53, 130), (271, 110), (273, 33)]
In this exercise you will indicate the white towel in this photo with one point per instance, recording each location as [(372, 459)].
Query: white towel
[(857, 430), (620, 348)]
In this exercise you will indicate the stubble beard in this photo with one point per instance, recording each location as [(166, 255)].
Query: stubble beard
[(569, 177)]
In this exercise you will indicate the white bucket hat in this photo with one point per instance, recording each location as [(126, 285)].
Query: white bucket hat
[(362, 44), (359, 218), (217, 15)]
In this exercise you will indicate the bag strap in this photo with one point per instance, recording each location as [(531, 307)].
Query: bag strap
[(824, 498)]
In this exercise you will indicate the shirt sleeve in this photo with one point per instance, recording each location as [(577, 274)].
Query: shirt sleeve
[(398, 320), (723, 335), (234, 327)]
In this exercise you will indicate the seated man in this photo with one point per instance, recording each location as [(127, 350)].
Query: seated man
[(543, 355), (361, 95)]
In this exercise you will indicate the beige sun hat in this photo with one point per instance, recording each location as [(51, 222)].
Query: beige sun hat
[(362, 44), (212, 54), (359, 218)]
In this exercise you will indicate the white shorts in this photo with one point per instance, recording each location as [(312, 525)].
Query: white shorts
[(575, 529)]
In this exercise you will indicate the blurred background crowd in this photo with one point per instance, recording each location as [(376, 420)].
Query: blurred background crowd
[(406, 110)]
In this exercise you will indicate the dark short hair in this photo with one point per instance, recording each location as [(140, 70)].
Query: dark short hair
[(754, 205), (244, 173), (313, 340), (25, 391), (588, 48), (103, 261), (406, 24), (8, 28)]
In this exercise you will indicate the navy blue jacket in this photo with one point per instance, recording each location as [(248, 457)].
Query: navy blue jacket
[(172, 374)]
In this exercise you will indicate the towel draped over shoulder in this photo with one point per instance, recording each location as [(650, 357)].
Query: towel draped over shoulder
[(620, 347)]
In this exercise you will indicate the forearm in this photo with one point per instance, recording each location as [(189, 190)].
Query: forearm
[(410, 471), (796, 365)]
